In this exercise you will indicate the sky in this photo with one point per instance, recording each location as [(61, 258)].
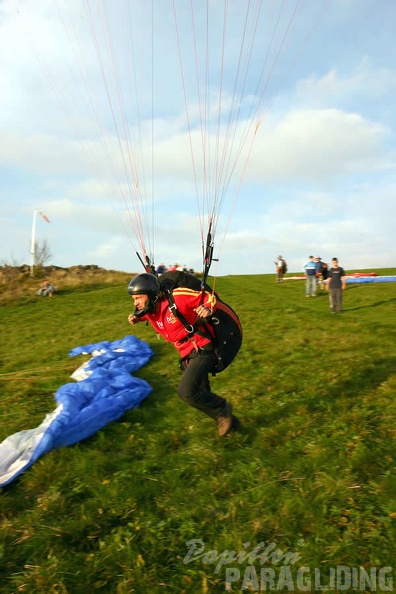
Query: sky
[(132, 126)]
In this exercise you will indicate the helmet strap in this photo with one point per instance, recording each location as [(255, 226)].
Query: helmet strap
[(138, 313), (148, 308)]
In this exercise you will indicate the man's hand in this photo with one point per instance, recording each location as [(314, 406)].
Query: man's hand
[(132, 319), (203, 312)]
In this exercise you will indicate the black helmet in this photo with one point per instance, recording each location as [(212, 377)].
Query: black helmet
[(145, 284)]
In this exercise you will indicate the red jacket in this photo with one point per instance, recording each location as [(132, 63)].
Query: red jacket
[(171, 328)]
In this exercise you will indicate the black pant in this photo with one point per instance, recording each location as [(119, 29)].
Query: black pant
[(194, 388)]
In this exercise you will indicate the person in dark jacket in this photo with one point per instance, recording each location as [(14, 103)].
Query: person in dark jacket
[(321, 272), (336, 284)]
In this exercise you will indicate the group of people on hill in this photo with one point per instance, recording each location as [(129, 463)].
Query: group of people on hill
[(172, 267), (316, 273), (333, 279), (319, 275)]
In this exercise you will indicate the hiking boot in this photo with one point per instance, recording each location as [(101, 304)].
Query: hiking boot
[(236, 424), (225, 421)]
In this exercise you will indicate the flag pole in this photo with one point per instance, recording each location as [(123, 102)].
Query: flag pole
[(32, 245)]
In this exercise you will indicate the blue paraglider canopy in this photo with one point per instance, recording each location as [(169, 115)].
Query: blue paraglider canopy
[(371, 279), (104, 391)]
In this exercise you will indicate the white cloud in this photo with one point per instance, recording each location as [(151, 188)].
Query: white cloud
[(320, 177), (338, 86), (318, 145)]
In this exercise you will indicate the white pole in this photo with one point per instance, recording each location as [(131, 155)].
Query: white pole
[(33, 243)]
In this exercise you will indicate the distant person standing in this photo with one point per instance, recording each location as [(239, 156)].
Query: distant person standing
[(336, 284), (321, 272), (281, 268), (160, 269), (325, 271), (310, 273)]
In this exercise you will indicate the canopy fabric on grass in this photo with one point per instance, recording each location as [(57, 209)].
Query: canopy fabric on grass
[(104, 392), (371, 279), (358, 277)]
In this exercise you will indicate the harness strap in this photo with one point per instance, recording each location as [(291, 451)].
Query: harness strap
[(190, 328), (173, 308)]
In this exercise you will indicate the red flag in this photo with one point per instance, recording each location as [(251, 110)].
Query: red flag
[(44, 217)]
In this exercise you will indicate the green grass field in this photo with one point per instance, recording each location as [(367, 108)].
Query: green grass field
[(311, 478)]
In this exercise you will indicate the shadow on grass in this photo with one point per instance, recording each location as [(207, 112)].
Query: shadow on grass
[(370, 305), (363, 380)]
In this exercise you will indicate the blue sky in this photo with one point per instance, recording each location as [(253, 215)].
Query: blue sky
[(88, 141)]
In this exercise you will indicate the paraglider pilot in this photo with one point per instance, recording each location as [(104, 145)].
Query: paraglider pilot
[(196, 351)]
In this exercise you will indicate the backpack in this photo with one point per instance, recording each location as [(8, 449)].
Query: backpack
[(224, 327), (284, 267)]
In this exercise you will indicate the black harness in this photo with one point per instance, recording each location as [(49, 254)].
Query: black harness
[(190, 328)]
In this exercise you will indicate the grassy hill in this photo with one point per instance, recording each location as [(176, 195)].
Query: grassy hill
[(311, 478)]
